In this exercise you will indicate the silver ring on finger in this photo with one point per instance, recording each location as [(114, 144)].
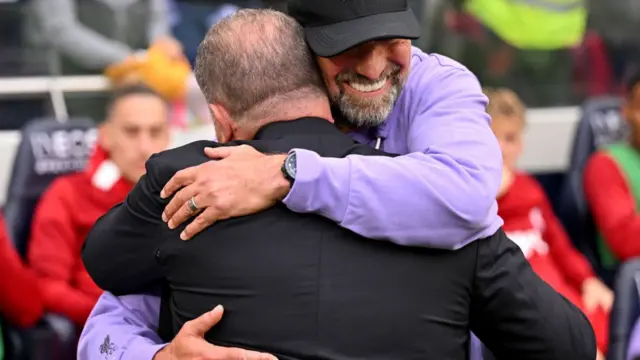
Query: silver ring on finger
[(193, 207)]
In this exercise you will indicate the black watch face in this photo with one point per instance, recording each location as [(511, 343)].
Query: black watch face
[(291, 165)]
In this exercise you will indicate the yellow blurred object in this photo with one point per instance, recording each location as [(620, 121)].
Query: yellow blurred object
[(125, 69), (171, 47), (156, 70), (167, 77)]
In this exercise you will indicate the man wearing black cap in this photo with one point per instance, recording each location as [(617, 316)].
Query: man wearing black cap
[(388, 95), (448, 312), (332, 30)]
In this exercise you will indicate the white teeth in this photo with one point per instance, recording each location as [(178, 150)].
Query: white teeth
[(368, 87)]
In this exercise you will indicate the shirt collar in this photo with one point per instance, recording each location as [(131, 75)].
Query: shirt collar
[(302, 126), (369, 133)]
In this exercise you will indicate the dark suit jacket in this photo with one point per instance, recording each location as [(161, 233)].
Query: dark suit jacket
[(302, 287)]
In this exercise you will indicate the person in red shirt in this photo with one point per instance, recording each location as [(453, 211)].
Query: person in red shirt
[(21, 302), (136, 127), (610, 190), (531, 223)]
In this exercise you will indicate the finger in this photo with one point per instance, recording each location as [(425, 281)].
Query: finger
[(220, 152), (200, 325), (182, 178), (178, 206), (225, 353), (254, 355), (185, 212), (203, 221)]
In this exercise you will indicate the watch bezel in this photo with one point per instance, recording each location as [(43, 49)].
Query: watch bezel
[(291, 165)]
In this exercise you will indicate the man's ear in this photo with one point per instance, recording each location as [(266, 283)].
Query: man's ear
[(224, 124)]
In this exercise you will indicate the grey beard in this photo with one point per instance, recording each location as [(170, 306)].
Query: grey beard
[(369, 112)]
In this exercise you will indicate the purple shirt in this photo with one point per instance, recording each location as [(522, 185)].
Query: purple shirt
[(441, 194), (633, 351)]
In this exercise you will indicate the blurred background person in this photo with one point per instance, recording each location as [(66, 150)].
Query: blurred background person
[(618, 24), (525, 46), (135, 128), (89, 37), (21, 302), (612, 187), (530, 222), (193, 18)]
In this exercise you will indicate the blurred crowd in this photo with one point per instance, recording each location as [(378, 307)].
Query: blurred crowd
[(532, 53), (550, 52)]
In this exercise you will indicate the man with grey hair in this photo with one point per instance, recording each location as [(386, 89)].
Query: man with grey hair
[(327, 290), (285, 73)]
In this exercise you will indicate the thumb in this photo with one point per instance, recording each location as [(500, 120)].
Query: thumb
[(219, 152), (200, 325)]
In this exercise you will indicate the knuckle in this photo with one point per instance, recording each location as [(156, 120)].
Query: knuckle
[(208, 181), (178, 176), (216, 207), (171, 208), (187, 325), (202, 182), (182, 213), (236, 354), (225, 203), (178, 196)]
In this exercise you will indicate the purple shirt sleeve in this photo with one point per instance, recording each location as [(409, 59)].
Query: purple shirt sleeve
[(634, 343), (441, 194), (122, 328)]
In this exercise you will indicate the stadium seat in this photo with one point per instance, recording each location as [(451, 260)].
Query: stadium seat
[(55, 338), (600, 125), (48, 149), (626, 309)]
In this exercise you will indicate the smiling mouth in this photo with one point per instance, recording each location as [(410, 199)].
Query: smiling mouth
[(369, 87)]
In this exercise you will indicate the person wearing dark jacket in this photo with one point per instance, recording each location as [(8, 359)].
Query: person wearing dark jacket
[(328, 292)]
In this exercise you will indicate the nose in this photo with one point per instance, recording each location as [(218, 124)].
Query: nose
[(145, 146), (372, 62)]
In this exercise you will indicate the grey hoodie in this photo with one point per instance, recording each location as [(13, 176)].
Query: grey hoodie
[(85, 36)]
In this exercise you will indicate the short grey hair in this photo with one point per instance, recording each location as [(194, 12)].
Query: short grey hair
[(256, 59)]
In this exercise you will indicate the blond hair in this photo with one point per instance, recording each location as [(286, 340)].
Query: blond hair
[(504, 102)]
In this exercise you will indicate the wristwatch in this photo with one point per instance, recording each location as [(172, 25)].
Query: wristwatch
[(289, 167)]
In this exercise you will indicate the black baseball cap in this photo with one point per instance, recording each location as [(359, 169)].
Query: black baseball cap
[(334, 26)]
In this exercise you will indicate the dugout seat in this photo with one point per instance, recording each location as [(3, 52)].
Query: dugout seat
[(48, 149), (600, 125), (625, 310)]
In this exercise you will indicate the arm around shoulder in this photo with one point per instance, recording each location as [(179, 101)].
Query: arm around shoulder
[(441, 194), (120, 251)]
